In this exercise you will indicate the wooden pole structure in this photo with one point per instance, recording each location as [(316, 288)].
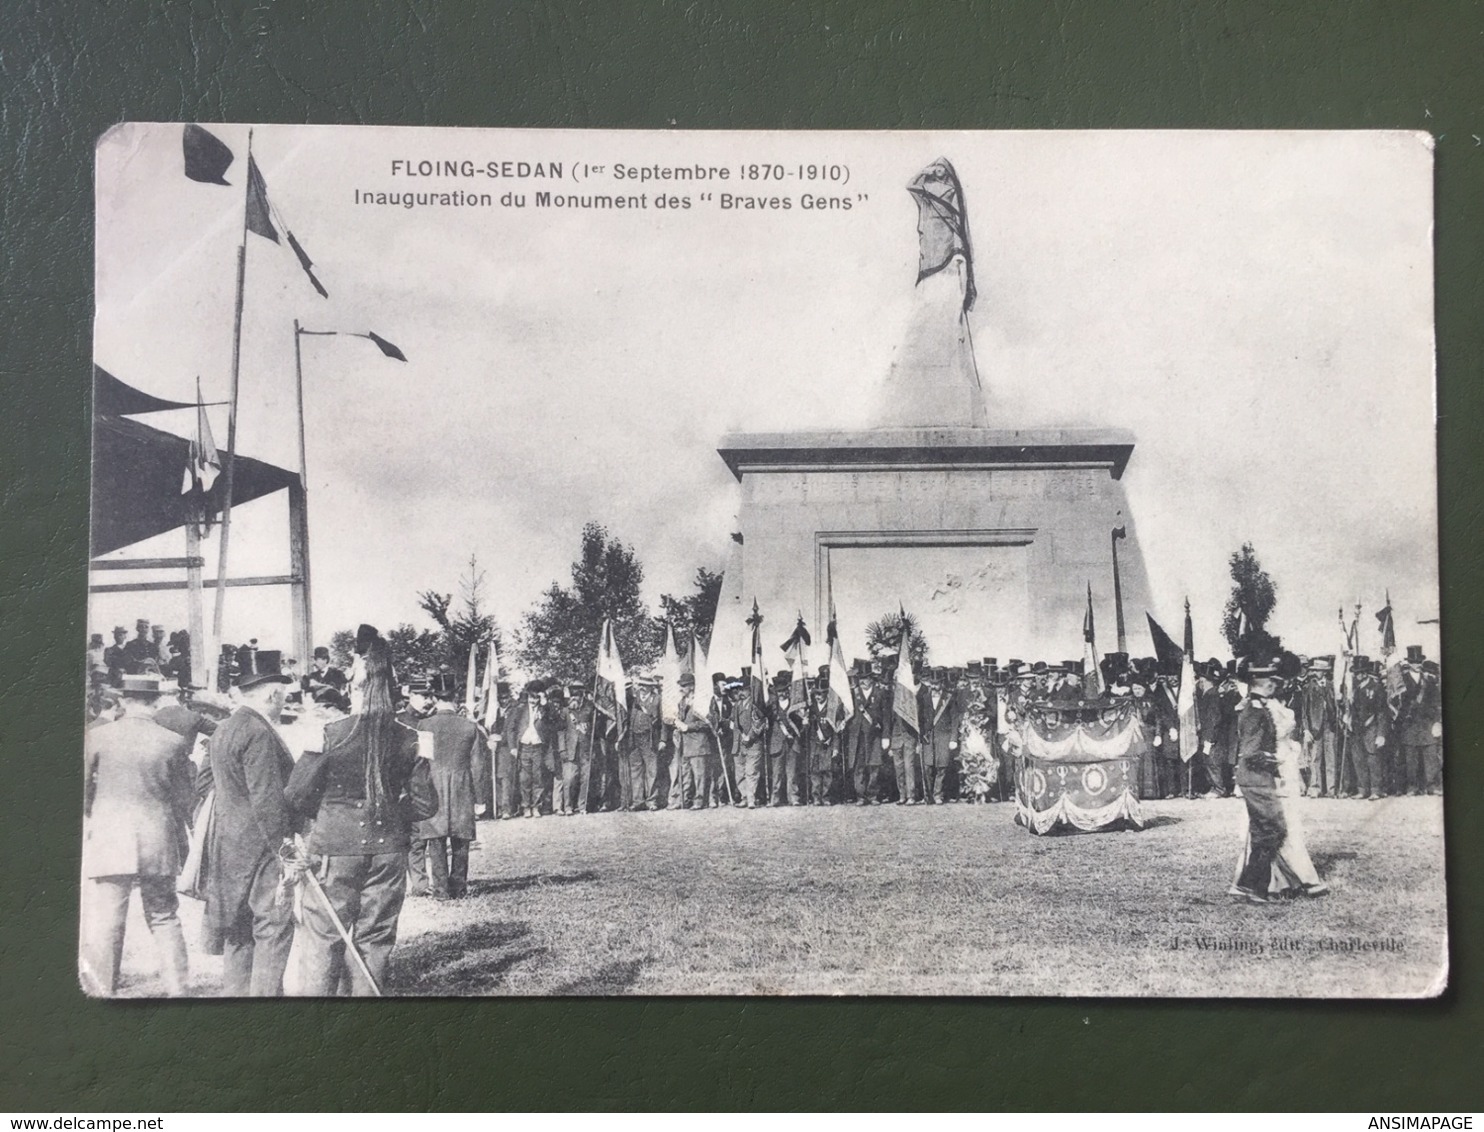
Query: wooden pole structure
[(201, 655), (299, 592), (221, 563), (1119, 532)]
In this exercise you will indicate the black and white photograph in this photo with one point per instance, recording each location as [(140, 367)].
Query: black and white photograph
[(604, 562)]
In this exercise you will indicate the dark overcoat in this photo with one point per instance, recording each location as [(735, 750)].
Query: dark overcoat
[(249, 767), (460, 766), (939, 727)]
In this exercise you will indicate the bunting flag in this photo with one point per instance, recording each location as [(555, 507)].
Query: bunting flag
[(796, 650), (203, 463), (759, 670), (904, 696), (258, 220), (206, 156), (1092, 675), (1166, 651), (669, 671), (840, 700), (611, 686), (1386, 626), (1185, 700), (943, 224)]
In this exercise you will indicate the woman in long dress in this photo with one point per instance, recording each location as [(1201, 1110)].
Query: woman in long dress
[(1293, 869)]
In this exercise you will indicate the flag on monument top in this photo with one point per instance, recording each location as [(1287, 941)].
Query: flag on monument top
[(1185, 700), (206, 156), (796, 650), (1092, 675), (943, 224), (759, 670), (610, 686), (203, 463), (840, 699), (669, 673), (1386, 626), (904, 696)]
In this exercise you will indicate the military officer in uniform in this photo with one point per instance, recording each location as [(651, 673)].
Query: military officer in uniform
[(1257, 768), (361, 792), (116, 656)]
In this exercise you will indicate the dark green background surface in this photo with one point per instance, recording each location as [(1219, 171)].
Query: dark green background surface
[(71, 69)]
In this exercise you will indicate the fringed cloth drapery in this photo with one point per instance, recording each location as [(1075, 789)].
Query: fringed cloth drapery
[(1079, 768)]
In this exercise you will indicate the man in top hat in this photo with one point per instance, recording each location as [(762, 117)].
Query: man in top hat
[(864, 732), (528, 732), (323, 677), (785, 741), (750, 729), (823, 742), (575, 749), (721, 765), (251, 823), (1370, 731), (439, 858), (1317, 719), (639, 786), (938, 716), (502, 756), (1257, 768), (137, 802), (116, 656), (692, 746), (1418, 712)]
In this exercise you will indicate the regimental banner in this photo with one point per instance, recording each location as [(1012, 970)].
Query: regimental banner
[(1080, 768)]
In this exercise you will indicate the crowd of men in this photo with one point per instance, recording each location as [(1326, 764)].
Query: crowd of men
[(549, 750)]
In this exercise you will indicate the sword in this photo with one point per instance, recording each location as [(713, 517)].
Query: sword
[(350, 944)]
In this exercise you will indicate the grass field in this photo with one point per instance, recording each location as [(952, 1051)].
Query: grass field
[(949, 900)]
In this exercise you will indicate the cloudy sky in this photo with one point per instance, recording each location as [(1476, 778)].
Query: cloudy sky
[(1255, 307)]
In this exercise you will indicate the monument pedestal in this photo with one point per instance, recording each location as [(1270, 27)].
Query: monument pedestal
[(989, 537)]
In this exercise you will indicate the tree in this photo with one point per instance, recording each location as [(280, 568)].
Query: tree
[(416, 651), (559, 637), (1255, 594), (696, 611), (470, 627), (884, 635)]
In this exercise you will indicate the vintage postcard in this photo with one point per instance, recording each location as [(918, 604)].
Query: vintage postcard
[(532, 562)]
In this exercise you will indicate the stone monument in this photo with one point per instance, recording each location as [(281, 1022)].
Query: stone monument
[(989, 536)]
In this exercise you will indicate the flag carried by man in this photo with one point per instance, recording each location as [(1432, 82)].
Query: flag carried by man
[(1386, 626), (840, 699), (611, 686), (1092, 676), (759, 670), (489, 699), (669, 673), (904, 697), (207, 158), (796, 650), (1185, 700), (698, 666)]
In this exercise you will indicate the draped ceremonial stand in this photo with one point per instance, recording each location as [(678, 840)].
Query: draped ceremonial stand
[(1080, 768)]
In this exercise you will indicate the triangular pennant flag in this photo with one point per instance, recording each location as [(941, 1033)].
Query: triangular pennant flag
[(759, 670), (669, 672), (206, 156), (257, 204), (384, 346), (1166, 651), (795, 648), (704, 688), (307, 264), (840, 702)]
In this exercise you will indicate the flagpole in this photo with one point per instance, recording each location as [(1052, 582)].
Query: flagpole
[(221, 563)]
